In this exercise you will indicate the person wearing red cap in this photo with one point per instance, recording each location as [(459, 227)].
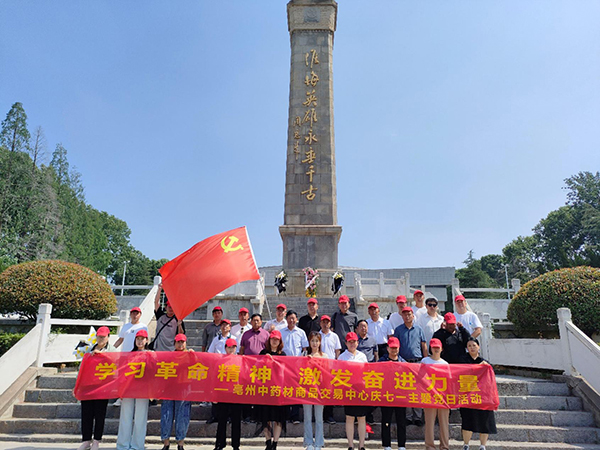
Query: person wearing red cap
[(387, 412), (279, 322), (232, 411), (357, 412), (311, 321), (126, 340), (273, 418), (467, 318), (442, 414), (419, 306), (211, 330), (218, 343), (343, 321), (395, 318), (167, 325), (175, 411), (331, 346), (93, 412), (316, 442), (244, 325), (134, 411), (432, 321), (453, 338), (379, 328)]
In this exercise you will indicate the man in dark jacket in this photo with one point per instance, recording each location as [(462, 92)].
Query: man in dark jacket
[(454, 339)]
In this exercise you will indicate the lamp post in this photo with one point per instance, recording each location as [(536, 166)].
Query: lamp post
[(125, 270), (506, 275)]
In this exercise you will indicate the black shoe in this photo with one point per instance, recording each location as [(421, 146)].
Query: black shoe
[(211, 420), (274, 446), (409, 422), (330, 420), (418, 423), (165, 447), (180, 447), (269, 444), (295, 421)]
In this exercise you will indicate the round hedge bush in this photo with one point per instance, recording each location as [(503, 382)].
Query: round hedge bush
[(575, 288), (74, 291)]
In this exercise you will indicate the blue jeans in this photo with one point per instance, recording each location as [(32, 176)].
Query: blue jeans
[(318, 441), (178, 410)]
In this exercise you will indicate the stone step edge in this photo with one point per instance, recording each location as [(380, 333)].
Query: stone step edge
[(297, 442)]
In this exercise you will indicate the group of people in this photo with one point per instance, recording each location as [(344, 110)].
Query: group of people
[(414, 334)]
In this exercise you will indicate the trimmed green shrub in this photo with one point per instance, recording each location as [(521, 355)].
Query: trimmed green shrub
[(7, 340), (74, 291), (575, 288)]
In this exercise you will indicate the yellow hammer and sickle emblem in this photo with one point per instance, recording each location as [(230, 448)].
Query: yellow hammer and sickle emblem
[(229, 246)]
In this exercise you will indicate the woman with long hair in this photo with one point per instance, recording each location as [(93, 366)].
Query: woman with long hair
[(273, 418), (93, 412), (134, 411), (476, 420), (314, 351)]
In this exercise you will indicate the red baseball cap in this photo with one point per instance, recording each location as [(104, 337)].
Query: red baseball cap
[(181, 337), (217, 308), (142, 333), (406, 309), (312, 300), (401, 299), (227, 321), (168, 303), (417, 292), (325, 317), (449, 318), (344, 299), (373, 305), (351, 337), (435, 343), (393, 342), (135, 309), (459, 298), (282, 306), (103, 331), (275, 334), (230, 343), (243, 310)]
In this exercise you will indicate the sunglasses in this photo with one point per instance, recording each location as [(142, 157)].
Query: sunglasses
[(433, 305)]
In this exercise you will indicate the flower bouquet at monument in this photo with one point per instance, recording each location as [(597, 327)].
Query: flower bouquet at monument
[(311, 277), (338, 282), (280, 281)]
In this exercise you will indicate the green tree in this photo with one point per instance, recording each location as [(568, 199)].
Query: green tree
[(14, 135), (473, 276)]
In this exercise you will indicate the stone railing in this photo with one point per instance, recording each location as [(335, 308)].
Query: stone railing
[(495, 307), (574, 353)]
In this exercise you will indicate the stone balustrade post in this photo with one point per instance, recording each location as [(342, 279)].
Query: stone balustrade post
[(564, 316), (43, 317), (486, 336), (516, 284), (455, 287)]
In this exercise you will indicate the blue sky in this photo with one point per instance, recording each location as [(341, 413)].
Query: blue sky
[(455, 122)]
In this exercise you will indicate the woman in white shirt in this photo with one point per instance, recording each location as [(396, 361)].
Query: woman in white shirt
[(435, 349), (359, 412)]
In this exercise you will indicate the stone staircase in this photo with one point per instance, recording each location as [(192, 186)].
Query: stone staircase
[(533, 414)]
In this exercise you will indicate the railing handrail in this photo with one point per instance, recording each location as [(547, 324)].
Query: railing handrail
[(85, 322), (583, 338), (131, 286), (19, 357), (500, 290)]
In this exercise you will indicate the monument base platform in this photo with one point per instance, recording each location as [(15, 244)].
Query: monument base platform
[(313, 246)]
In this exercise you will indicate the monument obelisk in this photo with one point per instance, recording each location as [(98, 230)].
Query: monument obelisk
[(310, 232)]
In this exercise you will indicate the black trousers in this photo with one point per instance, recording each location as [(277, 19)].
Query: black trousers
[(386, 421), (93, 414), (223, 411), (328, 412)]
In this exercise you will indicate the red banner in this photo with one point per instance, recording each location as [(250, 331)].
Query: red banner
[(206, 269), (279, 380)]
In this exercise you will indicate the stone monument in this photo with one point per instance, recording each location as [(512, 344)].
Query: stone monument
[(310, 232)]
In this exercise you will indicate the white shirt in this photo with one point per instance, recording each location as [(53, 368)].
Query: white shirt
[(278, 325), (379, 330), (357, 357), (128, 333), (429, 324), (430, 360), (294, 341), (395, 320), (330, 342), (469, 320), (218, 344), (418, 311), (238, 330)]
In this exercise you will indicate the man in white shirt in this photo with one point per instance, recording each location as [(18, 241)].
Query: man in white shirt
[(395, 319), (244, 325), (467, 318), (432, 321), (279, 322), (419, 306), (294, 343), (218, 343), (127, 335), (379, 329)]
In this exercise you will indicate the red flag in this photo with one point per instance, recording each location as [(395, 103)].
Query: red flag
[(206, 269)]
